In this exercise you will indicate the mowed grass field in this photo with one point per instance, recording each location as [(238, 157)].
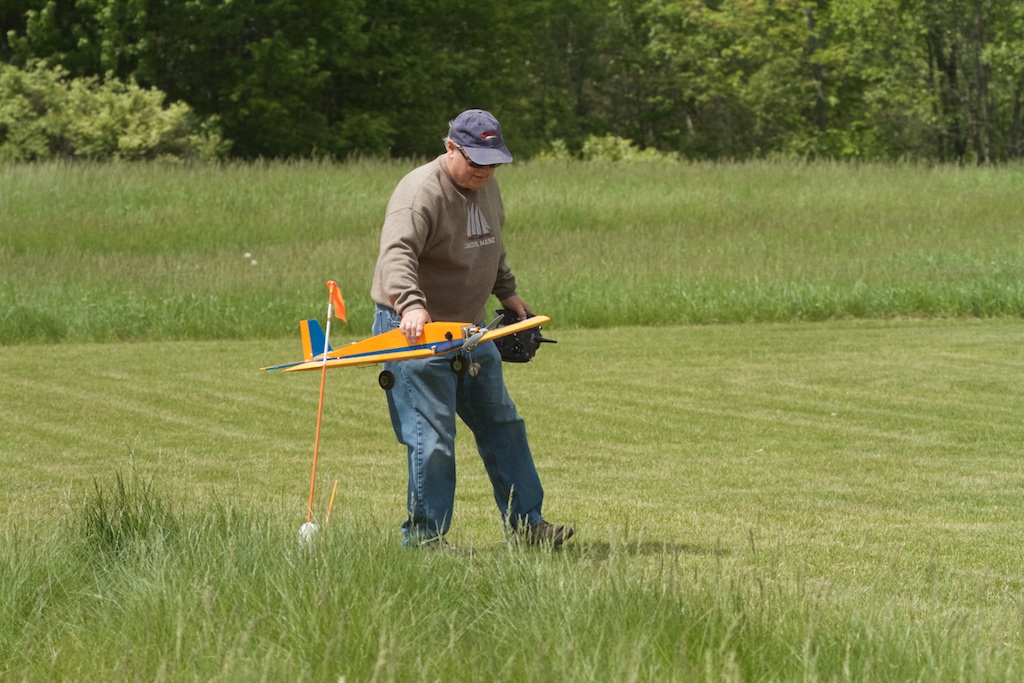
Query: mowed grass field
[(771, 500)]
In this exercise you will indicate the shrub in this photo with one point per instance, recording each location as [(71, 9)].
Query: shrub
[(605, 148), (45, 115), (26, 98)]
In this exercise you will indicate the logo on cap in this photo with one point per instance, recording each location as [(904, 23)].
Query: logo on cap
[(489, 135)]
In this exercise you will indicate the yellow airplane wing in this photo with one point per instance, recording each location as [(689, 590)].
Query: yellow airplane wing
[(356, 361), (437, 338), (498, 332)]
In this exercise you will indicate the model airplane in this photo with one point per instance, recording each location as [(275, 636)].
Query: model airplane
[(438, 338)]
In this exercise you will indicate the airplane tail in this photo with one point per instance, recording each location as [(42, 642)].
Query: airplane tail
[(313, 340)]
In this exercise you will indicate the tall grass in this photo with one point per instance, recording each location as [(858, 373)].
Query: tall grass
[(220, 593), (109, 252)]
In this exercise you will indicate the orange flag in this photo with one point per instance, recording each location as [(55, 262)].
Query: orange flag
[(336, 300)]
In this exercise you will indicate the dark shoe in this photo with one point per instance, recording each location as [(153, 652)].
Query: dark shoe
[(432, 542), (546, 534)]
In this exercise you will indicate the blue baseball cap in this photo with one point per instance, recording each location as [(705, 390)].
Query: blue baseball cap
[(478, 133)]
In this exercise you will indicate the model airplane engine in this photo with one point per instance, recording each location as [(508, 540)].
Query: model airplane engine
[(520, 347)]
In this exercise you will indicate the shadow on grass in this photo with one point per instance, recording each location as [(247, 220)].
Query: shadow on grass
[(589, 550)]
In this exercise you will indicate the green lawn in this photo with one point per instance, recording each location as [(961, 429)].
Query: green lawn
[(829, 501), (783, 415)]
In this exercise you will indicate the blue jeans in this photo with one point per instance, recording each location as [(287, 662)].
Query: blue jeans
[(423, 404)]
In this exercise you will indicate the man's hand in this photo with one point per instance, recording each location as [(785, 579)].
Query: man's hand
[(413, 322), (515, 303)]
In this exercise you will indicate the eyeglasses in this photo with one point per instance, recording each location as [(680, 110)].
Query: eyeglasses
[(469, 161)]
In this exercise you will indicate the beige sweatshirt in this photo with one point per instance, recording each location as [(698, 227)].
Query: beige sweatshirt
[(441, 247)]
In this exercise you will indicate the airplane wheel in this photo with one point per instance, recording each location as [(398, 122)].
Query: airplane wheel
[(386, 380), (474, 369), (459, 365)]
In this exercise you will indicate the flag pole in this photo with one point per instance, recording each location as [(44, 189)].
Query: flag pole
[(334, 299), (319, 412)]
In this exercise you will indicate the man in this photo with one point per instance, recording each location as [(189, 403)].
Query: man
[(441, 258)]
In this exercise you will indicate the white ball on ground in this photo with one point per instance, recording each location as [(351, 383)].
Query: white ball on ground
[(307, 531)]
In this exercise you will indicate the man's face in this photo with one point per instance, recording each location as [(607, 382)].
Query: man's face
[(467, 175)]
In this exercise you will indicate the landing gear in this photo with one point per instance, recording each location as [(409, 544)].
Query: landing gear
[(461, 365)]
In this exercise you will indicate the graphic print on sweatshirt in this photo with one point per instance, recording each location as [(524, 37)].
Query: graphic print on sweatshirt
[(478, 230)]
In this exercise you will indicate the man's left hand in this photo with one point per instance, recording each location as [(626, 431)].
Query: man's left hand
[(516, 303)]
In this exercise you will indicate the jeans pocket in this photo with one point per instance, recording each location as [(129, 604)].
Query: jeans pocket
[(385, 319)]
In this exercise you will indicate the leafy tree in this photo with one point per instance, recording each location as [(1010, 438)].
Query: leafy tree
[(712, 80), (874, 101), (551, 59), (60, 33), (974, 51), (262, 67), (863, 79), (12, 22), (1005, 55)]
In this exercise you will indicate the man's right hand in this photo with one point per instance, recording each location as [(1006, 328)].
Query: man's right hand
[(413, 322)]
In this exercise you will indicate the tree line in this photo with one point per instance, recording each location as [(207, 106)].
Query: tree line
[(928, 80)]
